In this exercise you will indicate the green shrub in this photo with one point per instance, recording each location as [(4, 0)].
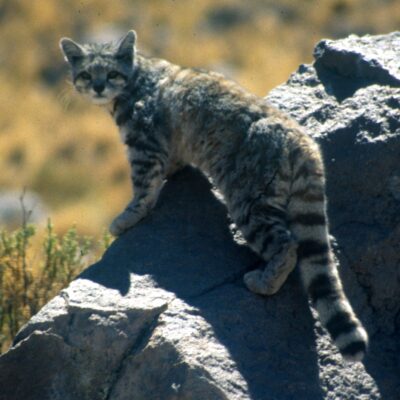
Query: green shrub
[(33, 270)]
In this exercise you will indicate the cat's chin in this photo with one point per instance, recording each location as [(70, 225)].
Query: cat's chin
[(100, 101)]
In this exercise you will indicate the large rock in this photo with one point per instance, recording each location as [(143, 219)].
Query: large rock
[(165, 315), (349, 101), (354, 114)]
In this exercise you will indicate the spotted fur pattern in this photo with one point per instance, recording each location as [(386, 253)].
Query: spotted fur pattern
[(269, 171)]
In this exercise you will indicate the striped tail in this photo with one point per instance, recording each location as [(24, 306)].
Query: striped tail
[(308, 222)]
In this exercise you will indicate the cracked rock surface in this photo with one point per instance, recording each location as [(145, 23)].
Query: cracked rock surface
[(165, 315)]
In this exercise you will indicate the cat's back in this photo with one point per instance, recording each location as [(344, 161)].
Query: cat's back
[(205, 111)]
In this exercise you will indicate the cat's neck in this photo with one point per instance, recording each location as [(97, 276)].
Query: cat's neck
[(143, 84)]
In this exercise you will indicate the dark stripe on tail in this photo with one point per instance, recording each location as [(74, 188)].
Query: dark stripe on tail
[(310, 247), (353, 348), (339, 324), (310, 219), (322, 287), (309, 195)]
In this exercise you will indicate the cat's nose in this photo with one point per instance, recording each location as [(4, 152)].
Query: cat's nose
[(98, 86)]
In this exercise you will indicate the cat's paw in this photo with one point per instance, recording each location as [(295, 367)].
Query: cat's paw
[(255, 283), (126, 220), (121, 224), (115, 228)]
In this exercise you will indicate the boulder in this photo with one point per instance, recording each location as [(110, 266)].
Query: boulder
[(165, 315), (349, 101)]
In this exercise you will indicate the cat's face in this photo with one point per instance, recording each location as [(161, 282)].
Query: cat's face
[(100, 72)]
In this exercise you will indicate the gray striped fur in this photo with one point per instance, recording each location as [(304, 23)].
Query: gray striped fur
[(269, 171)]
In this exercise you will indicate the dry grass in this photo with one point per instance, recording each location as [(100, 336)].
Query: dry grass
[(33, 269)]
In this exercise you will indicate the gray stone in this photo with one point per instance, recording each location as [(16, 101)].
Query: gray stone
[(165, 315), (374, 59), (348, 103)]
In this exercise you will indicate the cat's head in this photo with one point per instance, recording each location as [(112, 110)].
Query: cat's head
[(100, 72)]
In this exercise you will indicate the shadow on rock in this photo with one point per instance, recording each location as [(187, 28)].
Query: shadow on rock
[(187, 248)]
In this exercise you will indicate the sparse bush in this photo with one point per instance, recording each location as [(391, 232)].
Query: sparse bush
[(33, 270)]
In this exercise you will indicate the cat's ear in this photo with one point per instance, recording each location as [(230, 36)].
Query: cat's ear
[(73, 52), (126, 47)]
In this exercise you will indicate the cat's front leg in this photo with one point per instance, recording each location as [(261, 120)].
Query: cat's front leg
[(148, 177), (136, 210)]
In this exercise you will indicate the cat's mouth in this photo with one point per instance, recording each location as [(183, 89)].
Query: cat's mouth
[(100, 99)]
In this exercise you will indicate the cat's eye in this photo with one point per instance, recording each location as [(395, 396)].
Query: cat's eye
[(114, 75), (85, 76)]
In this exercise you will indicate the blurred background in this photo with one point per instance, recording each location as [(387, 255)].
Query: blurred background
[(66, 152)]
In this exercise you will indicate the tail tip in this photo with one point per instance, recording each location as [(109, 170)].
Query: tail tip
[(356, 356), (357, 347)]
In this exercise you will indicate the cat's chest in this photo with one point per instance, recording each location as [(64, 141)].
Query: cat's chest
[(134, 120)]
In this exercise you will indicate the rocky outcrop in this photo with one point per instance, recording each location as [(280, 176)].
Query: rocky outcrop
[(349, 100), (165, 315)]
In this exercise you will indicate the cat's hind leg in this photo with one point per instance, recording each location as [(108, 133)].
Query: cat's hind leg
[(268, 235), (269, 280)]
